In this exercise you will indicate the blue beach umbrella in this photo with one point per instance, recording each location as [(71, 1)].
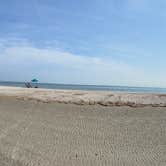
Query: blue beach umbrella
[(34, 80)]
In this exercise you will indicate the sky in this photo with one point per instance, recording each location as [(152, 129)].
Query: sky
[(101, 42)]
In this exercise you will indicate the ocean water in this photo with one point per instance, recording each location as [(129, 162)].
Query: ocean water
[(90, 87)]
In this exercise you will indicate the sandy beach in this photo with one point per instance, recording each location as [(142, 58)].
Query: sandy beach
[(71, 128)]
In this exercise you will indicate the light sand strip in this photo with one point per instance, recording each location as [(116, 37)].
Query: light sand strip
[(106, 98)]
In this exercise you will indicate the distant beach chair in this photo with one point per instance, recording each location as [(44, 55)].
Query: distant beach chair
[(28, 85), (35, 82)]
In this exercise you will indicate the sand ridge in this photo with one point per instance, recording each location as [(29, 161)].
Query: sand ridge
[(105, 98)]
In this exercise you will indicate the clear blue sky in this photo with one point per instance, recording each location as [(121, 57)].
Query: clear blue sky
[(111, 42)]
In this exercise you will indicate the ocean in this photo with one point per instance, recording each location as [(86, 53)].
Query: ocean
[(90, 87)]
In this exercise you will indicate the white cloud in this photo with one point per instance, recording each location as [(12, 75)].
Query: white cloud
[(22, 62)]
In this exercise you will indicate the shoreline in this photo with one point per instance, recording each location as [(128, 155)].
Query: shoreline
[(81, 97)]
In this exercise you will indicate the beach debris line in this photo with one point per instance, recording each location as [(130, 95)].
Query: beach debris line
[(86, 97)]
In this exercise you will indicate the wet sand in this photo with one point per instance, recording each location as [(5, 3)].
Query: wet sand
[(56, 134)]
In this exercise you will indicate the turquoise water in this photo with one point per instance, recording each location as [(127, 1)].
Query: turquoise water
[(90, 87)]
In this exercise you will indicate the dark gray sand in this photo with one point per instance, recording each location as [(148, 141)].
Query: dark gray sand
[(50, 134)]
